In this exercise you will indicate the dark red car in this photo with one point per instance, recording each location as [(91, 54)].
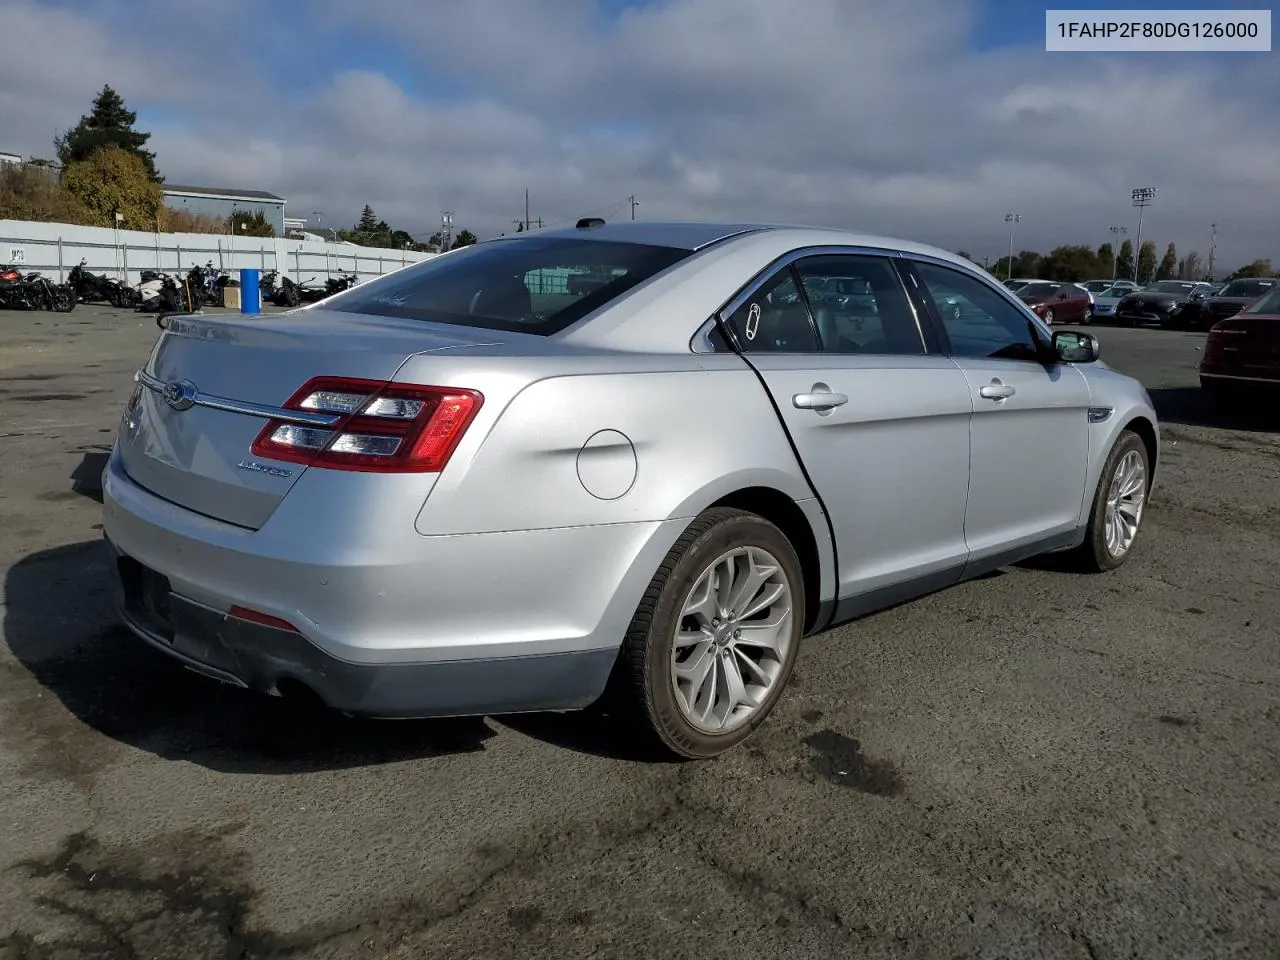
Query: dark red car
[(1242, 353), (1057, 302)]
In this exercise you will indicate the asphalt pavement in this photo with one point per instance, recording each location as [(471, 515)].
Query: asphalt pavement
[(1036, 764)]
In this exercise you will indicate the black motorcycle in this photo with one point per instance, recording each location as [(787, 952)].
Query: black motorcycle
[(94, 288), (207, 285), (337, 284), (33, 291)]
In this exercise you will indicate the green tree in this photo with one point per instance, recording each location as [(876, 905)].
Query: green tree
[(1070, 264), (965, 254), (1105, 256), (1168, 264), (368, 221), (1146, 262), (1258, 268), (114, 180), (1124, 260), (465, 238), (246, 224), (109, 124)]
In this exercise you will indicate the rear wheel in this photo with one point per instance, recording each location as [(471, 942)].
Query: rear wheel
[(715, 638), (1048, 318), (1118, 506), (1086, 318)]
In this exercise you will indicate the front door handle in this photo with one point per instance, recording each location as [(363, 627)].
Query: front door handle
[(819, 399), (995, 390)]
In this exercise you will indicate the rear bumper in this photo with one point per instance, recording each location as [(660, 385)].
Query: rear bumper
[(429, 626), (265, 660)]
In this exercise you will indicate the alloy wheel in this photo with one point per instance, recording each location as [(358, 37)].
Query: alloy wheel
[(1126, 499), (732, 639)]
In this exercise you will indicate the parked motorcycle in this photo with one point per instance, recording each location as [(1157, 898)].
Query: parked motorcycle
[(161, 293), (206, 285), (92, 287), (338, 284), (33, 291)]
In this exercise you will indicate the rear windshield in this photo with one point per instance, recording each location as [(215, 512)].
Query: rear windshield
[(1246, 288), (1268, 304), (1036, 290), (528, 285)]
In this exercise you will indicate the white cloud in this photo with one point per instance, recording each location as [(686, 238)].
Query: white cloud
[(879, 117)]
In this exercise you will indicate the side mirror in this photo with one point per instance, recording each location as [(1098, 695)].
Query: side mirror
[(1073, 347)]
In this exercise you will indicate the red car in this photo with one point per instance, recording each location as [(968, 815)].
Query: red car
[(1057, 302), (1242, 353)]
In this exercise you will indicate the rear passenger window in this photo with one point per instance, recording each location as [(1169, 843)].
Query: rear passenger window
[(859, 305), (775, 318)]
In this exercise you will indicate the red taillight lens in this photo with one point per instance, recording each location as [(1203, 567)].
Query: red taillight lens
[(384, 427)]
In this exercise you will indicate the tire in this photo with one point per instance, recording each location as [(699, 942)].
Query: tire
[(64, 299), (1086, 318), (648, 655), (1095, 555), (1048, 318)]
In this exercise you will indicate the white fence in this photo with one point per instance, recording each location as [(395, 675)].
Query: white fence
[(54, 248)]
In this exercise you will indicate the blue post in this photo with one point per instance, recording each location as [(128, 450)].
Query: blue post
[(250, 292)]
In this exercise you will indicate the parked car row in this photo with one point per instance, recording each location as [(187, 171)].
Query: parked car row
[(1173, 304)]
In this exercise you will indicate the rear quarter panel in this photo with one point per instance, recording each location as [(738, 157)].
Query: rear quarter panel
[(668, 436)]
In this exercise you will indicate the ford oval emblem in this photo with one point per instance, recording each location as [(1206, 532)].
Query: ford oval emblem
[(180, 394)]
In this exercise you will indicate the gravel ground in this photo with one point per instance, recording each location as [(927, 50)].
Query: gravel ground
[(1037, 764)]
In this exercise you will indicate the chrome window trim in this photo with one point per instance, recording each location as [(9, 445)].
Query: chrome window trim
[(266, 411), (996, 286), (700, 342)]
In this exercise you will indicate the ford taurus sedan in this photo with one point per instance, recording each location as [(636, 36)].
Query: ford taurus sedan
[(475, 486)]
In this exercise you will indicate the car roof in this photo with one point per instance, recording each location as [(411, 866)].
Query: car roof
[(661, 314), (696, 235)]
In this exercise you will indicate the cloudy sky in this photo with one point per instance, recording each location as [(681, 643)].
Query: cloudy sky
[(928, 119)]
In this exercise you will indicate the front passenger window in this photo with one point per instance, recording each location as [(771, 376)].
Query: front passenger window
[(979, 322), (775, 318)]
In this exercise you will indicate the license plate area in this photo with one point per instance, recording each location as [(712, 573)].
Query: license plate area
[(147, 597)]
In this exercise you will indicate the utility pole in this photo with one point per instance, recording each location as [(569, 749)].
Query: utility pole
[(539, 223), (1142, 197), (1213, 247), (526, 208), (446, 230), (634, 203)]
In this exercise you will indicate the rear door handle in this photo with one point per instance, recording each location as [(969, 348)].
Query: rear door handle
[(995, 390), (819, 400)]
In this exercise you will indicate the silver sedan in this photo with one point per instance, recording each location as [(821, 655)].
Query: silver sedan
[(654, 453)]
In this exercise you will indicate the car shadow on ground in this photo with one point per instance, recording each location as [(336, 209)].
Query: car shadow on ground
[(86, 478), (60, 624), (1193, 407)]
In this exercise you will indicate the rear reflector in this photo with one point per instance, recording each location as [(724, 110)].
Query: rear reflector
[(384, 427), (261, 619)]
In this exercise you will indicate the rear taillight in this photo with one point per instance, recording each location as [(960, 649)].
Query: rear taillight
[(383, 427)]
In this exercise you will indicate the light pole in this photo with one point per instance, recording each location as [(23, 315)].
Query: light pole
[(1142, 197), (1115, 253), (1012, 219), (1213, 247)]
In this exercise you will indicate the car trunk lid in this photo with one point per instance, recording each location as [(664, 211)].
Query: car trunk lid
[(210, 386)]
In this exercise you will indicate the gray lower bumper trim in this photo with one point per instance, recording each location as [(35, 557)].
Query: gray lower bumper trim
[(261, 658)]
